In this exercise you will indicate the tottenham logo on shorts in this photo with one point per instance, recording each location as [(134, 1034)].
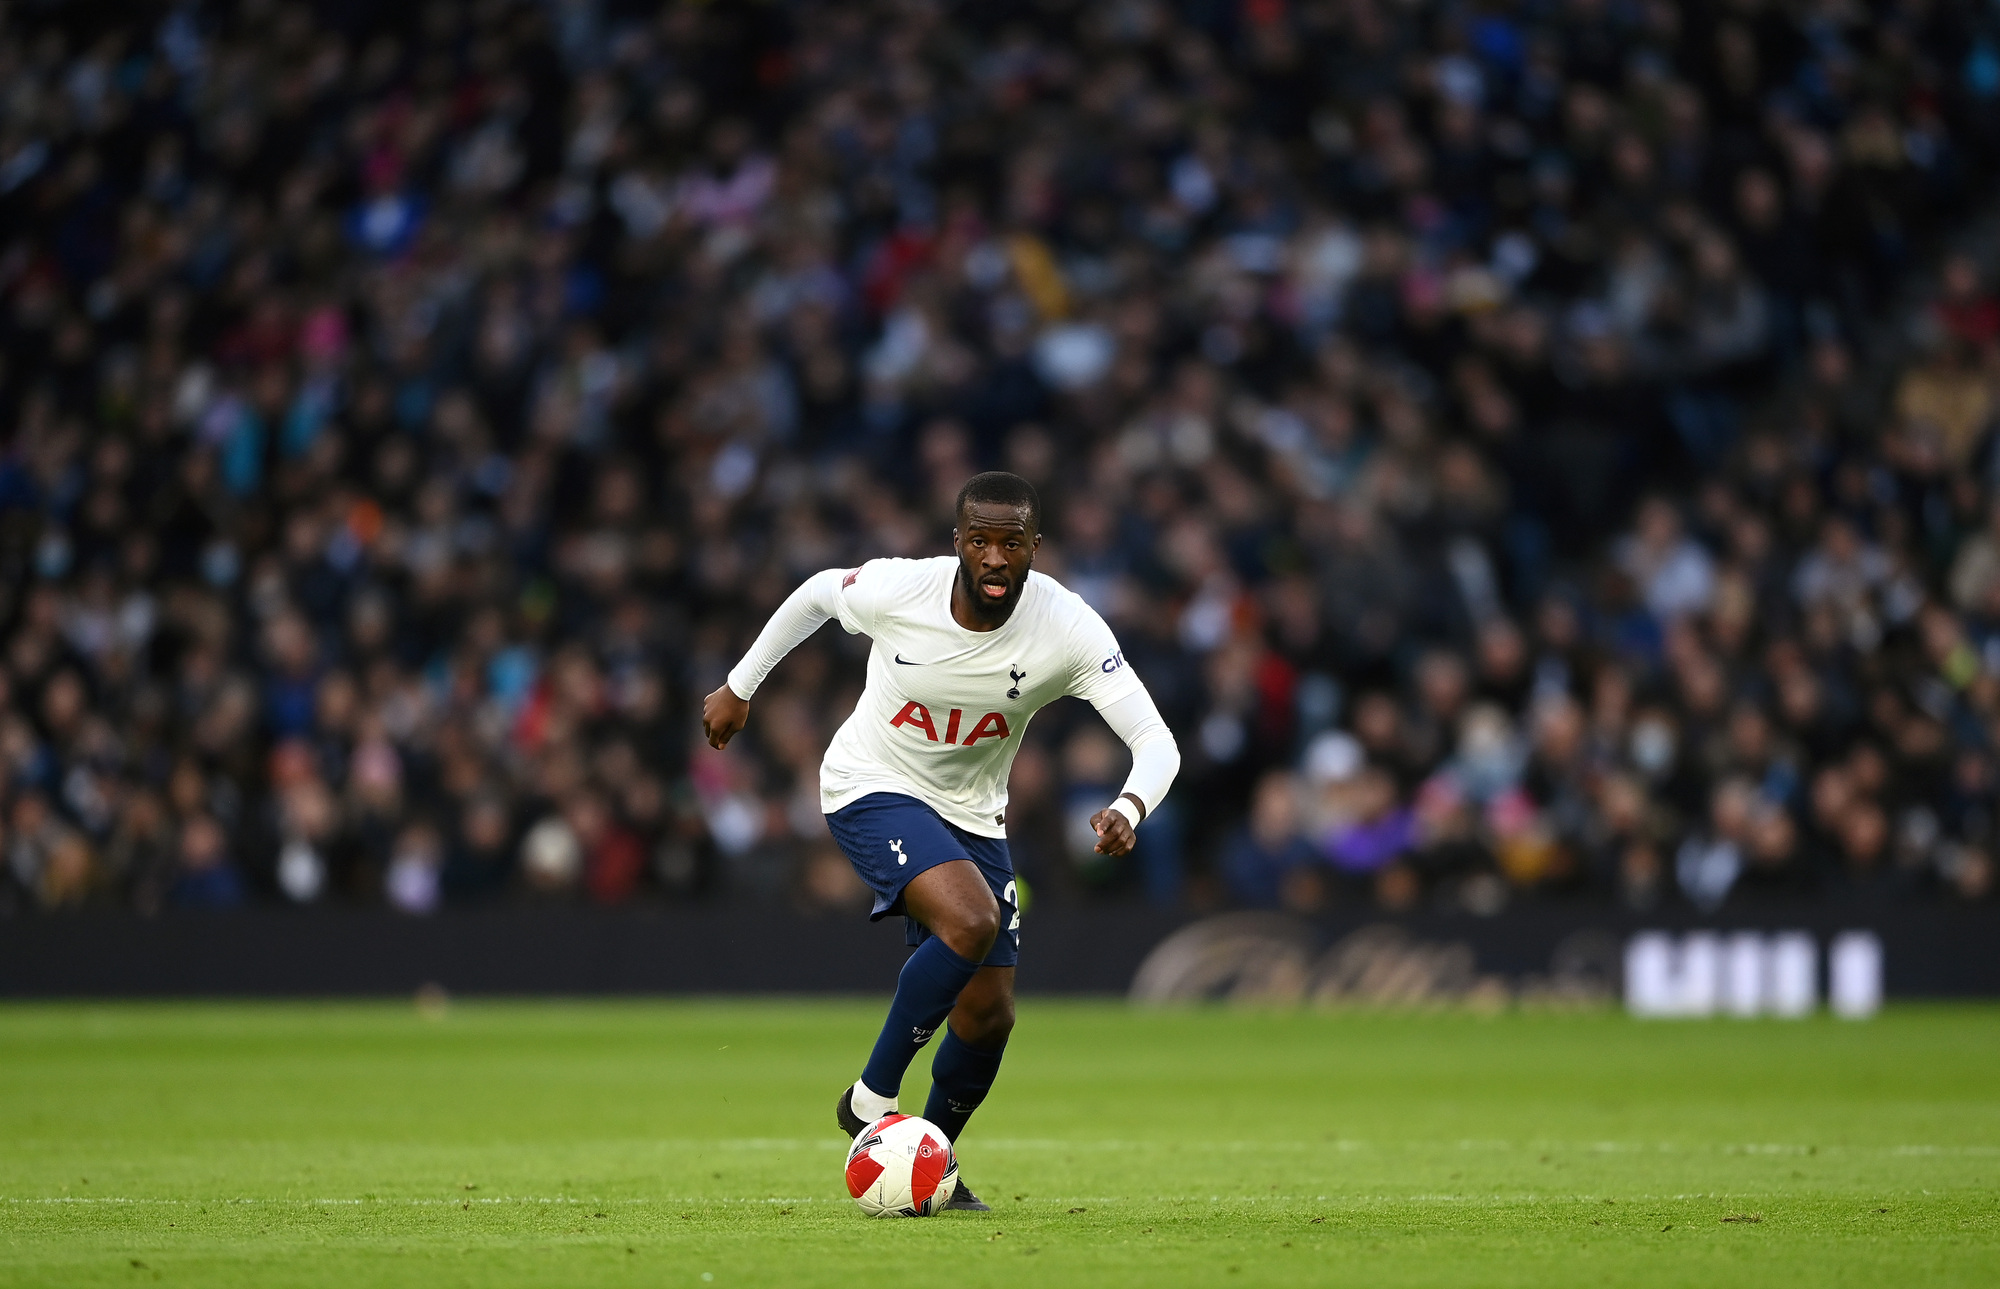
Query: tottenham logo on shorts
[(897, 846), (1017, 677)]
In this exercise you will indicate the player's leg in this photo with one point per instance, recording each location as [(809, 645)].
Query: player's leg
[(968, 1057), (952, 900), (975, 1036), (917, 866), (955, 902)]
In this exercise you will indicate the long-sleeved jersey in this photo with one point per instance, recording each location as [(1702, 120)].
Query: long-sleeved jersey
[(944, 708)]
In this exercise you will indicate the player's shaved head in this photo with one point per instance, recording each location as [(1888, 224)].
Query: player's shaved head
[(997, 487)]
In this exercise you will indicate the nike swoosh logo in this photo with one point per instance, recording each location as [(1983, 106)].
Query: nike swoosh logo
[(906, 662)]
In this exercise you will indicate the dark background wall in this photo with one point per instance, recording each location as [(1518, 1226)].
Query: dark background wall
[(1929, 952)]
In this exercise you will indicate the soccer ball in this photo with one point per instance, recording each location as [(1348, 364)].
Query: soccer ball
[(901, 1166)]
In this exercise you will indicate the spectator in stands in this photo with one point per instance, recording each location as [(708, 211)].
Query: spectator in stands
[(1268, 862)]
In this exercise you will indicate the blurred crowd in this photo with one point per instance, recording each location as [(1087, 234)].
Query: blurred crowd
[(1531, 449)]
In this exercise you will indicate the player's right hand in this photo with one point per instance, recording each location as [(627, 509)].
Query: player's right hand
[(723, 714)]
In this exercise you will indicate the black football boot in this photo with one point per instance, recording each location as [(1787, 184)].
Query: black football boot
[(850, 1123), (964, 1201)]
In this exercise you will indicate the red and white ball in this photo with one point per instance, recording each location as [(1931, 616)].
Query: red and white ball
[(901, 1166)]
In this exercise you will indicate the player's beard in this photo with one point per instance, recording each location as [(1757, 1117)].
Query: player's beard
[(985, 608)]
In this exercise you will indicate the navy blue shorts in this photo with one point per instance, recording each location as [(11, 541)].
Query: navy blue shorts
[(890, 838)]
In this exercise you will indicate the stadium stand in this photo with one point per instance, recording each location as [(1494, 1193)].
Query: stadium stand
[(1534, 450)]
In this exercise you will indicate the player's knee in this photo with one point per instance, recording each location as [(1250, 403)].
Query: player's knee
[(970, 932)]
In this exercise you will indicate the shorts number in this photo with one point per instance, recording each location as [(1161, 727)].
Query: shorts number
[(1007, 894)]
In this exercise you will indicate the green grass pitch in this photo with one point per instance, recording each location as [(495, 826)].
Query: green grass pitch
[(691, 1143)]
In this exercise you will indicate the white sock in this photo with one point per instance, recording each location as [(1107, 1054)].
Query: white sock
[(870, 1105)]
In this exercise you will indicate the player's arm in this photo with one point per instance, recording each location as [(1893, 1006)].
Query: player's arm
[(1156, 759), (726, 711)]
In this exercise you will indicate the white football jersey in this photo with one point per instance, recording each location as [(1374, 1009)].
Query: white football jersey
[(944, 708)]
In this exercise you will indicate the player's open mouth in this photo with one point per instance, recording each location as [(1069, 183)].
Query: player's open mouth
[(994, 590)]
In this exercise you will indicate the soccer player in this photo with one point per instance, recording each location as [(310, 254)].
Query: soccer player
[(914, 784)]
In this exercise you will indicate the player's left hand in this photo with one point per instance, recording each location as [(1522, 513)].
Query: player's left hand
[(1114, 832)]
